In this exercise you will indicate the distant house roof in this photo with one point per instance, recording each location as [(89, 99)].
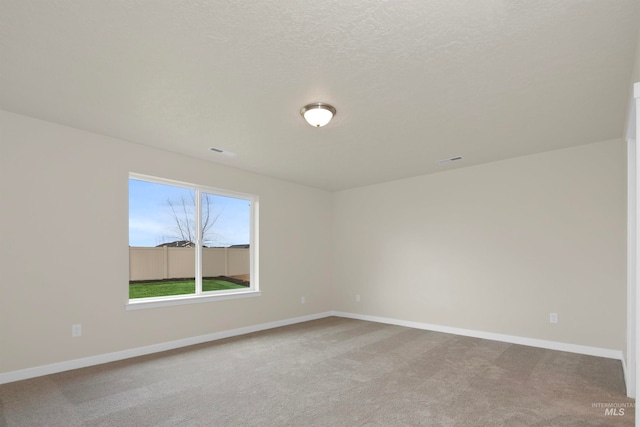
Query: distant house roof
[(178, 244), (188, 244)]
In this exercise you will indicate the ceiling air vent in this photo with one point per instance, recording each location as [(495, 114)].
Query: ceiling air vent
[(223, 152), (451, 159)]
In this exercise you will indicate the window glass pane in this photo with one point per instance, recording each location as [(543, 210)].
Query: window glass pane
[(226, 224), (161, 240)]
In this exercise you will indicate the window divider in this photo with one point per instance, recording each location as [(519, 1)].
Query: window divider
[(198, 242)]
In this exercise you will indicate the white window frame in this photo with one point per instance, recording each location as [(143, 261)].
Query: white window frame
[(205, 296)]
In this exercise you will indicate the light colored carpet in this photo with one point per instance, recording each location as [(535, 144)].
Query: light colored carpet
[(330, 372)]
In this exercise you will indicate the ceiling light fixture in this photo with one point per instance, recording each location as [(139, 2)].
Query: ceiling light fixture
[(318, 114)]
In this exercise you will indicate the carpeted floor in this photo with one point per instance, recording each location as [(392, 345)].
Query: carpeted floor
[(331, 372)]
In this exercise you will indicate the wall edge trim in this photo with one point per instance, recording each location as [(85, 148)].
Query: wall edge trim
[(512, 339), (53, 368)]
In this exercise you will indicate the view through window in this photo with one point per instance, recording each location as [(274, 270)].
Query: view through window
[(187, 240)]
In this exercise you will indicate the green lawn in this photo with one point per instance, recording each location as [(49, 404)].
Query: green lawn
[(177, 287)]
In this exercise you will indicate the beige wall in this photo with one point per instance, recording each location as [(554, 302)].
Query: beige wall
[(635, 78), (64, 188), (636, 67), (495, 247)]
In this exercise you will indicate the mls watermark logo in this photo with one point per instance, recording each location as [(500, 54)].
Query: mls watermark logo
[(613, 409)]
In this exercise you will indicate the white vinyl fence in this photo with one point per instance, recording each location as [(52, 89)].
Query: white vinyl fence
[(175, 263)]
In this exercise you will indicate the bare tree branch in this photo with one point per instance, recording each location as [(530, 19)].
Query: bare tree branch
[(183, 214)]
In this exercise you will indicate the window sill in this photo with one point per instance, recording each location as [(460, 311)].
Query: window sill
[(144, 303)]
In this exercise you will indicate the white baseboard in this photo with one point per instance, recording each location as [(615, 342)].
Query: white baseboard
[(54, 368), (531, 342)]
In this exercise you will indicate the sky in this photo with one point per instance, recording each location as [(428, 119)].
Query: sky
[(152, 223)]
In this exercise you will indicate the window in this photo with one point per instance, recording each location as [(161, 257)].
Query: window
[(188, 243)]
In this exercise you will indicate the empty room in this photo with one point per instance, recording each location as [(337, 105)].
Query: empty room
[(385, 213)]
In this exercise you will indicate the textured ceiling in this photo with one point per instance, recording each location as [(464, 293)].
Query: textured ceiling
[(413, 81)]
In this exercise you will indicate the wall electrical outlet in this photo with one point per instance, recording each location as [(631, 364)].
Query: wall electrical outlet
[(357, 298), (302, 300), (553, 317), (76, 330)]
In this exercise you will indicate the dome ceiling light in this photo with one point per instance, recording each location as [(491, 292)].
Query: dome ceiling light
[(318, 114)]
